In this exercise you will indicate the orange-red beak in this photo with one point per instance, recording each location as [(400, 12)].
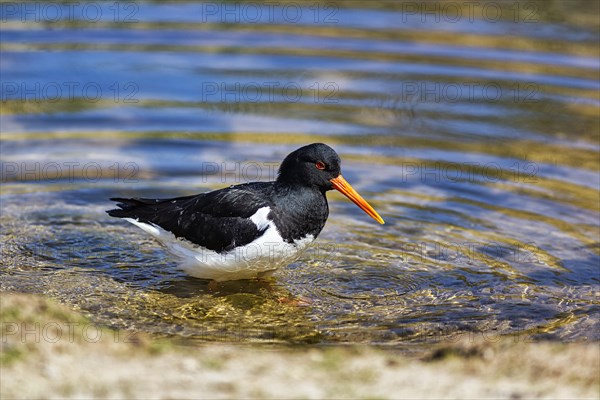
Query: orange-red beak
[(344, 187)]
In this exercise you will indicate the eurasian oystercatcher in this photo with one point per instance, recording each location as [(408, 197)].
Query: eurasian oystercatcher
[(249, 230)]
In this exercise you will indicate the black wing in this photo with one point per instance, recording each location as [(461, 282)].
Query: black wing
[(218, 220)]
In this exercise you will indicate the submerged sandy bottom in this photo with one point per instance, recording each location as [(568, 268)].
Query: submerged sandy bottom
[(50, 351)]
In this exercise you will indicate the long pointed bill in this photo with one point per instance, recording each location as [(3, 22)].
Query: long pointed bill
[(344, 187)]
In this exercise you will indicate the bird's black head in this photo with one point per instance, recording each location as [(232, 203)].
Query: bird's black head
[(313, 165), (318, 166)]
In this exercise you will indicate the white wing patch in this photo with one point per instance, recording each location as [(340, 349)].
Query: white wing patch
[(257, 258), (260, 218)]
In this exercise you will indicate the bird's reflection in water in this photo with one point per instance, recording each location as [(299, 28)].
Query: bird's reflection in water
[(267, 289), (241, 310)]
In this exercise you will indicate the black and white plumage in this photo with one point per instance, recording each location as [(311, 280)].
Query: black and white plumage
[(249, 230)]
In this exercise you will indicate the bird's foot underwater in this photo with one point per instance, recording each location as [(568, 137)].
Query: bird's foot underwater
[(295, 301)]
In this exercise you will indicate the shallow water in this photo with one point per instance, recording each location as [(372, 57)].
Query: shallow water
[(476, 139)]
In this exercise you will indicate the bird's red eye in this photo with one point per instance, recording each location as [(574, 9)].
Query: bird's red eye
[(320, 165)]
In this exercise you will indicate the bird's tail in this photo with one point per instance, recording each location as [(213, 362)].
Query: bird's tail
[(128, 207)]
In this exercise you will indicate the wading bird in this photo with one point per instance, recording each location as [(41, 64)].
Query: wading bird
[(249, 230)]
